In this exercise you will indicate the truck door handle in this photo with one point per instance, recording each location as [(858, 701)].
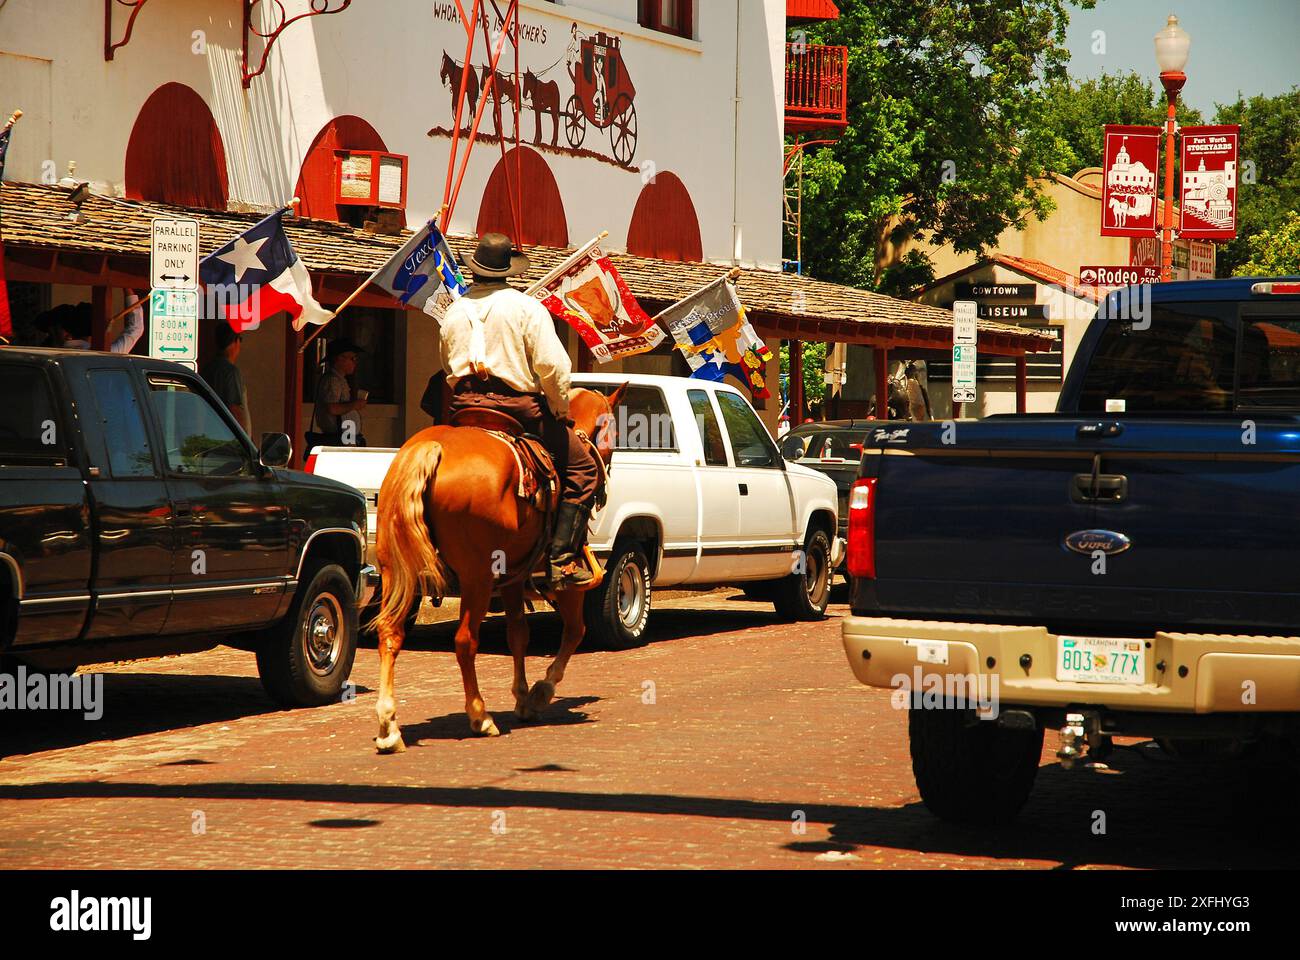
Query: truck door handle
[(1112, 429), (1099, 487), (744, 489)]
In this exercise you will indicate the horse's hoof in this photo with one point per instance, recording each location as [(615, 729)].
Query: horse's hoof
[(524, 712), (540, 697), (485, 728), (392, 743)]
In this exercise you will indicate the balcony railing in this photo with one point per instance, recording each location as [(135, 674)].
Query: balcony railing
[(816, 86)]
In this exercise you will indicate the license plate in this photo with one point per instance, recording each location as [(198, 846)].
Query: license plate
[(1101, 660)]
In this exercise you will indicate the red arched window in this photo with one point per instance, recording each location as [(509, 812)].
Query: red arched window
[(175, 154), (664, 224), (316, 180), (543, 216)]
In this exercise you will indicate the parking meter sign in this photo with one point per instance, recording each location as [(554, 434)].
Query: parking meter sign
[(174, 253), (965, 314), (963, 373)]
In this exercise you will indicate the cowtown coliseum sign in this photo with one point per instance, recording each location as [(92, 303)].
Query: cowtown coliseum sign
[(575, 96)]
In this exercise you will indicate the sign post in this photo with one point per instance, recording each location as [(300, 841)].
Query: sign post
[(965, 336), (174, 301)]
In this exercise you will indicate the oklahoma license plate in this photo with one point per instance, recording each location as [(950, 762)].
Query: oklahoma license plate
[(1101, 660)]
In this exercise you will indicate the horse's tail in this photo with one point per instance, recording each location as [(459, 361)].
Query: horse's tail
[(407, 555)]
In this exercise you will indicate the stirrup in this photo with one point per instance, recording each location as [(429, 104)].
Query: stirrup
[(569, 571)]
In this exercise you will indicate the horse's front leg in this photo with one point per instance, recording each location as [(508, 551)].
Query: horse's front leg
[(476, 592), (569, 604)]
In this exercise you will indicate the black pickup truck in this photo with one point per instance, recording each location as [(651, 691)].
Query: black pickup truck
[(138, 519)]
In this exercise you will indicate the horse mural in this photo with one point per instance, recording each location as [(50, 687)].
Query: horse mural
[(450, 507), (451, 75), (506, 92), (545, 98)]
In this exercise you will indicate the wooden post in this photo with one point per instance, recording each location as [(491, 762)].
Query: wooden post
[(796, 382), (293, 366), (101, 311), (1022, 385), (881, 357)]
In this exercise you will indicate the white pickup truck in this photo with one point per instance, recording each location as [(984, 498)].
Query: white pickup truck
[(699, 496)]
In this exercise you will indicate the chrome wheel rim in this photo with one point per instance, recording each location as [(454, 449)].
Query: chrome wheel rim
[(815, 578), (322, 634), (631, 596)]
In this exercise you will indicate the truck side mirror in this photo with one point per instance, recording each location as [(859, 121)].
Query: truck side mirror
[(277, 450)]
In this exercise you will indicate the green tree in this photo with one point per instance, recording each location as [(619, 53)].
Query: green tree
[(1270, 156), (814, 369), (1077, 111), (1274, 253), (946, 130)]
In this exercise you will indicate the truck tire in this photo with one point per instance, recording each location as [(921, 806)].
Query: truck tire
[(804, 596), (617, 612), (972, 771), (305, 659)]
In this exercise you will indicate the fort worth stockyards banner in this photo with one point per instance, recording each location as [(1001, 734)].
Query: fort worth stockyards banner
[(1131, 156), (1208, 198), (588, 294)]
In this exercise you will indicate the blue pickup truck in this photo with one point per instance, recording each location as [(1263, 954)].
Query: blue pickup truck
[(1128, 565)]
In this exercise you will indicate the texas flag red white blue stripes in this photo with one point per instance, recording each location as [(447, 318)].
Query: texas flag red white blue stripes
[(257, 275)]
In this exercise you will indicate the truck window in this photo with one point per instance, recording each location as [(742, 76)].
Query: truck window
[(715, 453), (751, 444), (1269, 364), (31, 433), (642, 420), (121, 423), (198, 440), (1182, 362)]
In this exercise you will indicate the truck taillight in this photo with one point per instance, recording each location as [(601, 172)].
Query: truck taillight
[(310, 465), (1283, 289), (862, 528)]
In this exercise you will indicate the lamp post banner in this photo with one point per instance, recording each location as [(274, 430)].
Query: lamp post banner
[(1209, 190), (1131, 156)]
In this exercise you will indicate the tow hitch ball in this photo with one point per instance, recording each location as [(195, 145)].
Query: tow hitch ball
[(1082, 734)]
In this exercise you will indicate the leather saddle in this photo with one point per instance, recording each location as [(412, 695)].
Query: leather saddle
[(539, 481)]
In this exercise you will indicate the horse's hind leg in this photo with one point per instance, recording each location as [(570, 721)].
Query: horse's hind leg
[(517, 637), (476, 592), (390, 645), (569, 603)]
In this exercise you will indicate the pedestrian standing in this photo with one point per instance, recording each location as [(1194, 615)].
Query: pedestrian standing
[(224, 377)]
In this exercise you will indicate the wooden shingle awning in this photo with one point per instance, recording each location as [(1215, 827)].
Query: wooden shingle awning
[(109, 246)]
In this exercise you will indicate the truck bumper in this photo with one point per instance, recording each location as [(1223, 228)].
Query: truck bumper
[(838, 549), (1185, 672), (367, 584)]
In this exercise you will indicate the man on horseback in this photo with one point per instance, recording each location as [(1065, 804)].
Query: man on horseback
[(500, 351)]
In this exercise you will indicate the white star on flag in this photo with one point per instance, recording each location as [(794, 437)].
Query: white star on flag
[(244, 257)]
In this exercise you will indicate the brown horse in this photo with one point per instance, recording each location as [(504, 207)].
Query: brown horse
[(506, 93), (449, 504), (545, 98), (452, 75)]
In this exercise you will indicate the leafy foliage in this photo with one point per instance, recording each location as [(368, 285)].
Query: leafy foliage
[(1274, 253)]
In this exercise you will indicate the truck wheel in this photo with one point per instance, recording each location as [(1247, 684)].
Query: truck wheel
[(804, 596), (972, 771), (617, 612), (305, 659)]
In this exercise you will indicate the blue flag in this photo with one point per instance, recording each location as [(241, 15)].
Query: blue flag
[(423, 275)]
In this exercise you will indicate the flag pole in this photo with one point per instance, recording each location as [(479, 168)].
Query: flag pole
[(357, 292), (731, 276)]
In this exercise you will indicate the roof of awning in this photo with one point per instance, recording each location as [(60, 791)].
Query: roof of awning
[(110, 247), (811, 10)]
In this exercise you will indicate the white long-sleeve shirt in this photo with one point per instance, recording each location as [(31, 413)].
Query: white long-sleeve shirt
[(513, 336), (132, 329)]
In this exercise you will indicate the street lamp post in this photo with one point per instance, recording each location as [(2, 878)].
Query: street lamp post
[(1172, 46)]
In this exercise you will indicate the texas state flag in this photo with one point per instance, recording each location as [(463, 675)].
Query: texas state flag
[(257, 275)]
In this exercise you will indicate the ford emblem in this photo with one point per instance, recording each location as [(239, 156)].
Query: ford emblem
[(1089, 542)]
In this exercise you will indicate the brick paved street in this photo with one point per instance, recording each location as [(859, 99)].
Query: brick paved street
[(751, 722)]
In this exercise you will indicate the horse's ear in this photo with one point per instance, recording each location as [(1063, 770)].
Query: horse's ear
[(616, 397)]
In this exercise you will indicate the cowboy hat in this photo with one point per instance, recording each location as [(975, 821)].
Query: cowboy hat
[(496, 259)]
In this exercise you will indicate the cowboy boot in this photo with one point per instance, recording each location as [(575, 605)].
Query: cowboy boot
[(566, 567)]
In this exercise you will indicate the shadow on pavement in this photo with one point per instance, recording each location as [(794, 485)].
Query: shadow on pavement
[(455, 726), (1158, 815), (135, 704)]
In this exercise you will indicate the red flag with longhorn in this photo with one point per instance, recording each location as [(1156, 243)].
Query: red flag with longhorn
[(1208, 198), (1128, 193)]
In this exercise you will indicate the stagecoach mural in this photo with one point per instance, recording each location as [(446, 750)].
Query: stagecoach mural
[(577, 101)]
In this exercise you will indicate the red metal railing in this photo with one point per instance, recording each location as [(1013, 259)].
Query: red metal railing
[(816, 86)]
